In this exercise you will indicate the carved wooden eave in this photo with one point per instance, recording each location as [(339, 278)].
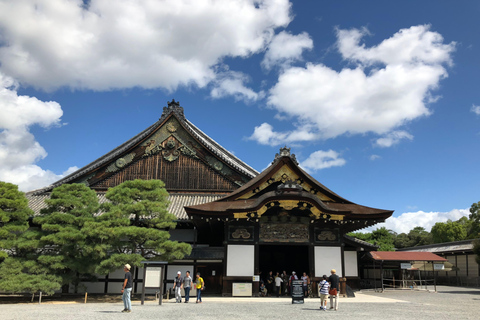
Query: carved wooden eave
[(171, 138), (284, 188)]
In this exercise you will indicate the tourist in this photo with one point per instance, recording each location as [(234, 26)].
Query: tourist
[(263, 290), (306, 282), (270, 283), (199, 285), (292, 277), (127, 289), (177, 287), (334, 288), (187, 284), (278, 283), (323, 287), (284, 282)]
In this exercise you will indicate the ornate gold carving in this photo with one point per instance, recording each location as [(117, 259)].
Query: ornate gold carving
[(336, 217), (171, 127), (327, 236), (218, 166), (240, 215), (284, 232), (282, 175), (120, 163), (241, 233)]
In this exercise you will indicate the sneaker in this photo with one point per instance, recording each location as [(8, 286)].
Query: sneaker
[(128, 311), (124, 310)]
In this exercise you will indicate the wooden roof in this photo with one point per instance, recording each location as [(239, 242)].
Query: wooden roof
[(285, 185), (172, 150), (176, 207), (405, 256)]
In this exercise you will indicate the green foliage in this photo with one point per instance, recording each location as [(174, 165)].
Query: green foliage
[(20, 271), (449, 231), (474, 217), (133, 225), (418, 236), (381, 237), (14, 214), (68, 251), (21, 275)]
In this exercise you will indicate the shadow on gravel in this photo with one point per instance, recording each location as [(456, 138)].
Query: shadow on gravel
[(477, 292), (109, 311)]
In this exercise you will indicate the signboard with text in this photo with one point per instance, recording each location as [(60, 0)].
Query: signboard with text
[(297, 291)]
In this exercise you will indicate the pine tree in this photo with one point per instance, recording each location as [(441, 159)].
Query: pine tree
[(20, 246), (135, 225), (68, 251)]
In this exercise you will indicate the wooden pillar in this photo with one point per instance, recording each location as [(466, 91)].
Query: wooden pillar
[(381, 274)]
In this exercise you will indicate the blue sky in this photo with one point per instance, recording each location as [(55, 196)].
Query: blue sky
[(378, 99)]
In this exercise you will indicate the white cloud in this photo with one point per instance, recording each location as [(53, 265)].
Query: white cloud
[(145, 43), (409, 220), (286, 48), (264, 134), (475, 109), (232, 84), (323, 159), (18, 148), (392, 138), (374, 157), (389, 85)]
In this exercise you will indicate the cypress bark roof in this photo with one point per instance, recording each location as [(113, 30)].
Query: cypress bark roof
[(236, 169)]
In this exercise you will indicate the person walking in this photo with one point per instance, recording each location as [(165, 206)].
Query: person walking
[(187, 285), (177, 287), (323, 287), (334, 288), (278, 283), (199, 285), (127, 289)]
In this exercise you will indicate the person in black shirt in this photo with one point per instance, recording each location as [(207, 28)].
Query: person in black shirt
[(334, 286), (270, 283), (127, 289)]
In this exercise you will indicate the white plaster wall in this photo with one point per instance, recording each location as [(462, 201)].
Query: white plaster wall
[(326, 259), (240, 260), (351, 264)]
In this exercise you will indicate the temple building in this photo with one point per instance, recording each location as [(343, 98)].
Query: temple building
[(240, 223)]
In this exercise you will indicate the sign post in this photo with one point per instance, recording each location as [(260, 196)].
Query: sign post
[(153, 274), (297, 291)]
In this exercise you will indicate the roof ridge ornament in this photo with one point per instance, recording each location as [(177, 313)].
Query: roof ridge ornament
[(173, 106), (285, 152)]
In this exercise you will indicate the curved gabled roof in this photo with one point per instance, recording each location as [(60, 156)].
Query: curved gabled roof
[(297, 185), (173, 109)]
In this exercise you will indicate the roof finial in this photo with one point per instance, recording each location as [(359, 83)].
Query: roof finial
[(173, 106), (285, 152)]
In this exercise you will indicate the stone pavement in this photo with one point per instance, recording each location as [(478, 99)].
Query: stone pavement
[(449, 303)]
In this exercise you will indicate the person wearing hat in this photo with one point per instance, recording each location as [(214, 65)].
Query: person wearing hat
[(334, 288), (127, 289), (292, 277), (177, 287)]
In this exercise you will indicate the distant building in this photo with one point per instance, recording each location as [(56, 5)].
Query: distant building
[(465, 270), (239, 222)]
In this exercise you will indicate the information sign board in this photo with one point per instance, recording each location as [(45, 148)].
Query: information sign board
[(297, 291), (405, 265), (152, 277), (242, 290)]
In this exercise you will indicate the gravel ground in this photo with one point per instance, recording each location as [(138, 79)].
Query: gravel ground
[(448, 303)]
